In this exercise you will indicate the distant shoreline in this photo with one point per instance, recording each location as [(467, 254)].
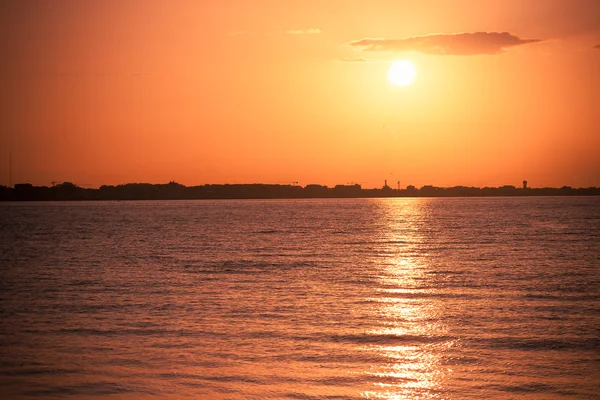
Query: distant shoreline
[(175, 191)]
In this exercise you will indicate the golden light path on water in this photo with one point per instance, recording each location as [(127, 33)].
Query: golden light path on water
[(410, 313)]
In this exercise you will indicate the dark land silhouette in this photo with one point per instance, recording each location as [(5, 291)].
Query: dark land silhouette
[(174, 191)]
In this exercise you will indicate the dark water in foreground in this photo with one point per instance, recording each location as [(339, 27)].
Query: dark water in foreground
[(490, 298)]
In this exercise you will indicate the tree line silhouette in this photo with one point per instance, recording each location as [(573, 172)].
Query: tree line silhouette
[(173, 190)]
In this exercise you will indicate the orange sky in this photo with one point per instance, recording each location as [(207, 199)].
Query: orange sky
[(236, 91)]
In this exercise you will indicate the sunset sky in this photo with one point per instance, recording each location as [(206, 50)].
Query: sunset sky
[(237, 91)]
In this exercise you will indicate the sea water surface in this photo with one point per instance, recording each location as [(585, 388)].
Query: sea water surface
[(495, 298)]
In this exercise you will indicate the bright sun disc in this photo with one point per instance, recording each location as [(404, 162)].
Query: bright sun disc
[(402, 73)]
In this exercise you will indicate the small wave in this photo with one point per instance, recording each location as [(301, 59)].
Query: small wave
[(354, 358), (542, 344), (233, 378), (89, 389), (562, 297), (389, 339), (124, 362), (305, 396), (83, 282), (116, 332), (386, 378), (527, 388), (124, 332), (176, 375), (267, 232), (38, 371), (448, 272), (348, 380), (425, 295), (245, 266)]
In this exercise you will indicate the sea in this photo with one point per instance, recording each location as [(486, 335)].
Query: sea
[(396, 298)]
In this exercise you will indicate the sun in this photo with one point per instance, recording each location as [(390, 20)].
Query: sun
[(402, 73)]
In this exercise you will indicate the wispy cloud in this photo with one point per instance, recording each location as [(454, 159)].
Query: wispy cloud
[(354, 59), (237, 33), (597, 46), (447, 44), (311, 31)]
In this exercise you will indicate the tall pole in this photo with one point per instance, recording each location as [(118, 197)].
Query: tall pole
[(10, 169)]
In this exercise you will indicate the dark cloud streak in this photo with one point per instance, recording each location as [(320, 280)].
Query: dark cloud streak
[(462, 44)]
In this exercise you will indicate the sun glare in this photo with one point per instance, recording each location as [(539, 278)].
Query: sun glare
[(401, 73)]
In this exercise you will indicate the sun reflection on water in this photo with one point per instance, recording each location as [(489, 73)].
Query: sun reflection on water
[(412, 336)]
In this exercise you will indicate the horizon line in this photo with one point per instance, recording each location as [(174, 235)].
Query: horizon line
[(296, 184)]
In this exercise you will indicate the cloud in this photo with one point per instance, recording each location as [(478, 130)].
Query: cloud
[(354, 59), (311, 31), (447, 44), (597, 46), (237, 33)]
